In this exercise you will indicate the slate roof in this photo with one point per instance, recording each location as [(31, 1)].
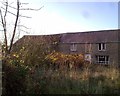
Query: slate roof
[(44, 39), (76, 37), (91, 37)]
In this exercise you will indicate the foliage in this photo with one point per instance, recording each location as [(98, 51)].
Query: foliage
[(20, 79), (19, 67), (66, 60), (14, 77)]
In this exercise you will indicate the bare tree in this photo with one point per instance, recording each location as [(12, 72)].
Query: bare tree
[(3, 13)]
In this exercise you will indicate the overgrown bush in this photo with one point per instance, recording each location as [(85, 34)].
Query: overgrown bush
[(15, 73), (14, 78), (66, 60), (19, 69)]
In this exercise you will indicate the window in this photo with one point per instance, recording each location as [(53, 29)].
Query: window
[(73, 47), (101, 46), (102, 59), (88, 48)]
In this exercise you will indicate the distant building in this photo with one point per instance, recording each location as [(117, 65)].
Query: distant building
[(99, 47)]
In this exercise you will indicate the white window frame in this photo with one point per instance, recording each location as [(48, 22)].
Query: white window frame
[(73, 47), (104, 57), (101, 46)]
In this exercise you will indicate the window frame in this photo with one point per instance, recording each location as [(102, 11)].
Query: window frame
[(73, 47), (102, 46), (104, 57)]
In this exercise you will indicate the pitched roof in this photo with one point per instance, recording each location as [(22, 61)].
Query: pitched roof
[(91, 37), (76, 37), (41, 39)]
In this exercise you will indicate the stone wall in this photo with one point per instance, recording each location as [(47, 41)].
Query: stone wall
[(111, 51)]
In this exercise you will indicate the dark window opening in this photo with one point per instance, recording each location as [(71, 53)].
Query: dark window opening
[(102, 59), (101, 46)]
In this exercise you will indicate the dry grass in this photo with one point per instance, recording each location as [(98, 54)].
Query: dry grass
[(99, 80)]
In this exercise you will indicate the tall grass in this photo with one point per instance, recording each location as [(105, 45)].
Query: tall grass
[(101, 80)]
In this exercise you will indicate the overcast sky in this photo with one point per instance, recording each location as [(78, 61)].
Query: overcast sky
[(61, 16)]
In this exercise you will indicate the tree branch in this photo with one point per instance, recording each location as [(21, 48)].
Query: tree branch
[(3, 21), (32, 9), (6, 4), (6, 10), (14, 30), (24, 31), (15, 14), (23, 26), (4, 29)]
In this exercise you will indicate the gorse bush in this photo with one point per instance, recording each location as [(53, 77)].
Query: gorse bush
[(66, 60)]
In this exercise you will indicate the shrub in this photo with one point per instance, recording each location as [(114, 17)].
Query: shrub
[(66, 60), (14, 75)]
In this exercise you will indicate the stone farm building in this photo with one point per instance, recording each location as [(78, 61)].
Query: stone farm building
[(99, 47)]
